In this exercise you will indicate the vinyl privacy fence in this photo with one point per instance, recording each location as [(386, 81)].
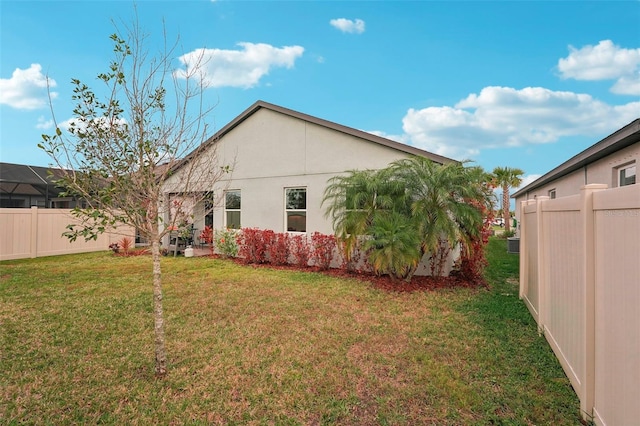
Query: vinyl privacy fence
[(30, 233), (580, 279)]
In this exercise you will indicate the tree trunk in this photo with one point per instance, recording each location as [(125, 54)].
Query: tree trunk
[(506, 208), (158, 316)]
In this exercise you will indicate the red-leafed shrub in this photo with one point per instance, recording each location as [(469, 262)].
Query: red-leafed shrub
[(126, 244), (253, 244), (473, 260), (279, 249), (323, 249), (300, 250), (207, 236), (355, 260)]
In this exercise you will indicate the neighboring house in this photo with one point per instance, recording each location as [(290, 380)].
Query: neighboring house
[(613, 161), (23, 186), (281, 161)]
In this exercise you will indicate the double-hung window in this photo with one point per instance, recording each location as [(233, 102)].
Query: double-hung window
[(296, 209), (232, 204), (627, 175)]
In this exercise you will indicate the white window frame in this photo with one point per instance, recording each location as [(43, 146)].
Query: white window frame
[(228, 210), (624, 168), (288, 210), (552, 193)]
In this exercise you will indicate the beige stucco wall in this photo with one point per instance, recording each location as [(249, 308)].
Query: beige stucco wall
[(271, 151), (604, 171)]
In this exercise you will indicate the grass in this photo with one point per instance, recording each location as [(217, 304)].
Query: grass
[(258, 346)]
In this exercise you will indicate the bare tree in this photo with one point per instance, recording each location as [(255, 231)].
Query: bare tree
[(140, 156)]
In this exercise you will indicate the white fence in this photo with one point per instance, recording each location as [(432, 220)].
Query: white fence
[(580, 279), (35, 232)]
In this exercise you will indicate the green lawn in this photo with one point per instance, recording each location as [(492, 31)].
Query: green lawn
[(258, 346)]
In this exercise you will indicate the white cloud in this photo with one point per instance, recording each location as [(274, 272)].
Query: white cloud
[(237, 68), (627, 85), (80, 125), (504, 116), (526, 180), (348, 26), (605, 61), (44, 124), (26, 89)]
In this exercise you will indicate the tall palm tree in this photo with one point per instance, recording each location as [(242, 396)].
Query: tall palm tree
[(507, 177)]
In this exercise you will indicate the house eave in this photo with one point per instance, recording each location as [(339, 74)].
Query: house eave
[(620, 139)]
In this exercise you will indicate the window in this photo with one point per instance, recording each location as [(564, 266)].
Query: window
[(296, 209), (627, 175), (552, 193), (232, 202)]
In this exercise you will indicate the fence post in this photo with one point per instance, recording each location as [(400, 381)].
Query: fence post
[(33, 237), (542, 266), (524, 250), (588, 261)]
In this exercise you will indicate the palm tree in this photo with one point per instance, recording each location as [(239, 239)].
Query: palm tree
[(412, 207), (440, 202), (354, 200), (507, 177), (393, 245)]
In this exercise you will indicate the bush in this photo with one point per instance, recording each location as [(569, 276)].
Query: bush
[(354, 258), (508, 234), (126, 244), (323, 249), (300, 250), (207, 236), (279, 249), (473, 259), (225, 241), (253, 244)]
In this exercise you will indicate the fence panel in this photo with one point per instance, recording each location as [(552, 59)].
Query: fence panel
[(580, 254), (37, 232), (529, 258), (15, 233), (563, 269), (617, 295)]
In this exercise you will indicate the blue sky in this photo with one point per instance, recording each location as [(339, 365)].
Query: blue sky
[(503, 83)]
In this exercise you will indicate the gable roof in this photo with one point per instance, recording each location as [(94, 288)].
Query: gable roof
[(320, 122), (621, 138)]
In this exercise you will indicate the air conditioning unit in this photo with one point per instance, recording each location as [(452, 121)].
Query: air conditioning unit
[(513, 245)]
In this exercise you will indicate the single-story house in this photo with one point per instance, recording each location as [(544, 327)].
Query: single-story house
[(612, 161), (23, 186), (281, 161)]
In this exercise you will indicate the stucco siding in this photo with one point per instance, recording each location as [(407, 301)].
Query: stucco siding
[(604, 170), (271, 151)]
